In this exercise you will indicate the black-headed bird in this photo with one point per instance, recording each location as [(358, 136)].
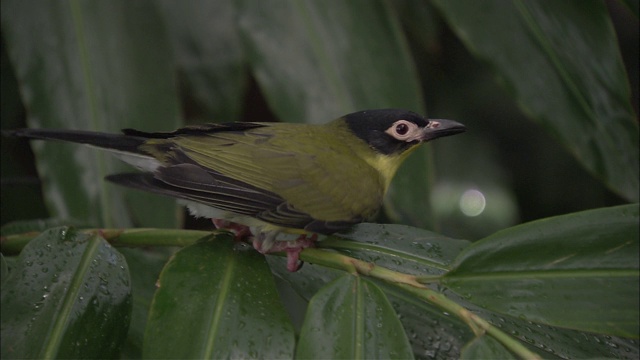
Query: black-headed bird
[(267, 180)]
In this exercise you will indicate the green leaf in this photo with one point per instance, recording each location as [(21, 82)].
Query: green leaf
[(433, 333), (485, 347), (218, 302), (68, 296), (209, 54), (36, 225), (399, 247), (96, 66), (560, 60), (633, 5), (4, 267), (351, 318), (314, 62), (586, 262), (145, 265)]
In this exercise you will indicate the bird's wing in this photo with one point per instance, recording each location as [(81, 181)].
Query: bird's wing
[(299, 176)]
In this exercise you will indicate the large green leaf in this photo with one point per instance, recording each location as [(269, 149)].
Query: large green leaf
[(209, 55), (351, 318), (68, 296), (145, 266), (586, 262), (98, 66), (318, 60), (562, 63), (401, 248), (217, 302)]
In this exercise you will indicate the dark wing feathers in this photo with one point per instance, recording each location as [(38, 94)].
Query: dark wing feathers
[(193, 130), (209, 183), (194, 183)]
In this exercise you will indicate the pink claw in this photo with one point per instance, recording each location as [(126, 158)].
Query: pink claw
[(292, 248), (293, 251), (240, 232)]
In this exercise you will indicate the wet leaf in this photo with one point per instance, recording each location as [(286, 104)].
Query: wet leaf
[(485, 347), (351, 318), (68, 296), (218, 302), (587, 262)]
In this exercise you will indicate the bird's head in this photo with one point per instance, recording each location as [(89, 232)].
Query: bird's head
[(392, 131)]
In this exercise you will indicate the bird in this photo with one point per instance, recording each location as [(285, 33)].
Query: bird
[(277, 184)]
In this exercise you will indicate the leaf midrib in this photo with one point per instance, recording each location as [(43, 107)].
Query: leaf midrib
[(532, 274)]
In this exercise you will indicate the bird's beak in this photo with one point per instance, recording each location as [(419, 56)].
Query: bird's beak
[(438, 128)]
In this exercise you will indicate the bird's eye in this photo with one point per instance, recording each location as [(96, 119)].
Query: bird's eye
[(402, 129)]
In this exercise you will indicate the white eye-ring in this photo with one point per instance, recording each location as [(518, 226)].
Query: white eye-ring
[(405, 131)]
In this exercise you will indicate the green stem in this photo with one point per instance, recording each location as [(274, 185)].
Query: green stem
[(13, 244)]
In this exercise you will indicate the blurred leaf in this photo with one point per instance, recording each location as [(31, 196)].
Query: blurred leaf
[(485, 347), (69, 296), (408, 198), (313, 60), (208, 51), (218, 302), (20, 195), (98, 66), (562, 63), (633, 5), (586, 262), (351, 318), (4, 267)]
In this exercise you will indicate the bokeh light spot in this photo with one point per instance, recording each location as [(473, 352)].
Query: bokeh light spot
[(472, 202)]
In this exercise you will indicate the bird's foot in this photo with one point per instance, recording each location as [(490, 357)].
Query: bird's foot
[(240, 232), (292, 248)]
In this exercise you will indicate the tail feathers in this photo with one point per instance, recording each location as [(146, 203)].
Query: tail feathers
[(126, 143)]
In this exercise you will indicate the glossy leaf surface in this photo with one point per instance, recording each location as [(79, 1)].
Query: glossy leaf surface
[(145, 265), (586, 262), (351, 318), (485, 347), (68, 296), (218, 302)]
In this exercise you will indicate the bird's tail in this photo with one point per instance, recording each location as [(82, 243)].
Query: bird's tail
[(119, 142), (124, 146)]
